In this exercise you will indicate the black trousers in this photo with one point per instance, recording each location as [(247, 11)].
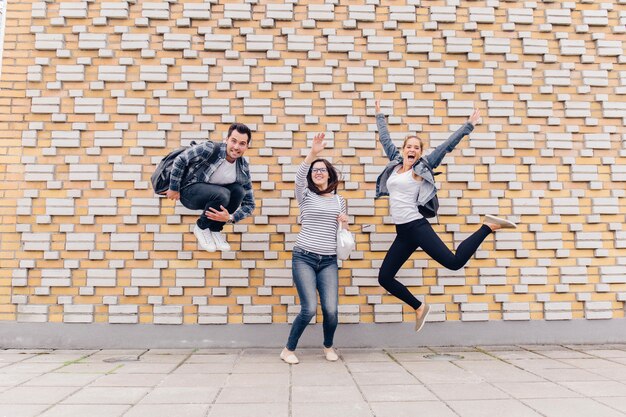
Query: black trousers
[(202, 196), (419, 233)]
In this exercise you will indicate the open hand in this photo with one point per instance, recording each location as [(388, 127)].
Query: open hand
[(218, 215), (318, 144), (377, 106), (475, 117)]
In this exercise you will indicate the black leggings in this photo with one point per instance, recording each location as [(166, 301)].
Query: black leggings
[(419, 233)]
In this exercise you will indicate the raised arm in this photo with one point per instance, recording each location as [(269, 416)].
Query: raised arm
[(301, 184), (383, 135), (437, 155)]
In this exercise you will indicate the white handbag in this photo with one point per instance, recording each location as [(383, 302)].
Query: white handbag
[(345, 240)]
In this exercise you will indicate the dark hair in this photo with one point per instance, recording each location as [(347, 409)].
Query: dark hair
[(413, 137), (333, 178), (241, 128)]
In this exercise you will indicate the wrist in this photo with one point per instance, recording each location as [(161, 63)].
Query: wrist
[(230, 219)]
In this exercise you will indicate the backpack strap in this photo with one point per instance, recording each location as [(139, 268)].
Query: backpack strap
[(215, 154)]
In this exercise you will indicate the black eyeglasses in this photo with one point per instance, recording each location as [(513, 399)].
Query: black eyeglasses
[(319, 170)]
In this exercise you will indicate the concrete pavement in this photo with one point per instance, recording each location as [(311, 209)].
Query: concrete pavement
[(538, 380)]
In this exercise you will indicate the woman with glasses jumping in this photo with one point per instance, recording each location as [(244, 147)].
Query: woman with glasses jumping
[(314, 262), (408, 181)]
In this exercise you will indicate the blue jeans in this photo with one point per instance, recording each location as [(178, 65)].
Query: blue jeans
[(310, 272)]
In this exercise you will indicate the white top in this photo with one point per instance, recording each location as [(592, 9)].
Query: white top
[(403, 190), (318, 216), (225, 173)]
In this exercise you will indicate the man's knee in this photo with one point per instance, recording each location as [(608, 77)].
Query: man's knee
[(237, 192), (222, 196)]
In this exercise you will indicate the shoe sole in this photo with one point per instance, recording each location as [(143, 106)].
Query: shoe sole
[(420, 323), (502, 222)]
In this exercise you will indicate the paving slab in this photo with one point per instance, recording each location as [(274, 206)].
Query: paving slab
[(22, 410), (128, 380), (151, 359), (249, 410), (441, 372), (56, 379), (606, 353), (343, 409), (107, 395), (76, 410), (145, 368), (482, 408), (266, 394), (204, 368), (181, 395), (10, 380), (597, 388), (89, 368), (590, 363), (545, 380), (569, 375), (375, 378), (385, 393), (168, 410), (618, 403), (61, 358), (475, 391), (572, 407), (30, 368), (412, 409), (194, 380), (320, 394), (365, 355), (268, 368), (525, 390), (306, 367), (36, 395), (12, 357), (257, 380), (208, 358), (322, 378)]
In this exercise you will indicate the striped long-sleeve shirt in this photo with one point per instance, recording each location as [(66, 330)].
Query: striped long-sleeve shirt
[(318, 216), (197, 172)]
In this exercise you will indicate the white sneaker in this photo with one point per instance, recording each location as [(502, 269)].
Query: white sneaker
[(330, 354), (289, 357), (504, 223), (220, 241), (205, 240)]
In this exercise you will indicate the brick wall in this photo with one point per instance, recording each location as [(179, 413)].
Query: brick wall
[(94, 93)]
